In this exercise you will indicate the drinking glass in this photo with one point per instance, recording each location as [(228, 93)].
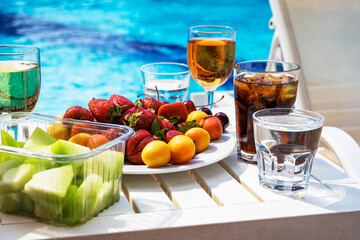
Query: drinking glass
[(257, 85), (166, 81), (211, 56), (19, 78), (286, 141)]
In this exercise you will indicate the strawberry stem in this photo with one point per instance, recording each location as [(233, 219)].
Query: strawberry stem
[(157, 93), (212, 103)]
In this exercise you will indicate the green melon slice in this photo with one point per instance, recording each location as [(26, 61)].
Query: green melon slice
[(27, 204), (7, 165), (48, 190), (8, 140), (40, 148), (62, 147), (116, 194), (16, 202), (21, 144), (68, 209), (108, 165), (41, 164), (84, 200), (11, 202), (104, 198), (14, 179), (39, 138)]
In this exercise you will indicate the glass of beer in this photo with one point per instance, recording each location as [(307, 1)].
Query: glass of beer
[(259, 85), (211, 56), (19, 78)]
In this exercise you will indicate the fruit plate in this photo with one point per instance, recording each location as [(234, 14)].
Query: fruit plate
[(217, 150)]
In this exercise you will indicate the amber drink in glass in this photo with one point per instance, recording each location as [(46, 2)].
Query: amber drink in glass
[(259, 85), (211, 56)]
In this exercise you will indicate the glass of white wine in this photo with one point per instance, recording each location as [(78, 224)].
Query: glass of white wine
[(211, 56), (20, 78)]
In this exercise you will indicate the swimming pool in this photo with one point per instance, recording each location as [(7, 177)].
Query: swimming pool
[(95, 48)]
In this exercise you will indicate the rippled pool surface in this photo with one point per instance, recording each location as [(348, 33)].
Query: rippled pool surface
[(92, 49)]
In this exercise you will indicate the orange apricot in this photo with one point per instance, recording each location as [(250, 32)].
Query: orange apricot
[(59, 131), (213, 125), (83, 128), (81, 139), (200, 137), (156, 154), (96, 141), (182, 149)]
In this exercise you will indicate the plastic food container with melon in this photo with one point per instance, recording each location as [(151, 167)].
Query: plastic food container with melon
[(50, 179)]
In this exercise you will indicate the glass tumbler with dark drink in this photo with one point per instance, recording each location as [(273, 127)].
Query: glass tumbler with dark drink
[(286, 142), (259, 85), (19, 78)]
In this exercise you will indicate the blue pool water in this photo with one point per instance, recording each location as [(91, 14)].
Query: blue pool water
[(95, 48)]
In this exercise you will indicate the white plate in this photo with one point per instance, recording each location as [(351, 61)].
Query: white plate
[(217, 150)]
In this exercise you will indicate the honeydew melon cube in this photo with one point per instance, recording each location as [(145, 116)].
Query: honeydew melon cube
[(11, 202), (62, 147), (78, 180), (84, 200), (8, 140), (68, 209), (41, 164), (7, 165), (103, 198), (116, 194), (39, 138), (14, 179), (16, 202), (40, 148), (27, 204), (48, 190), (108, 165)]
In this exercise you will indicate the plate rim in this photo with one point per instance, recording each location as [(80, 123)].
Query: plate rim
[(144, 170)]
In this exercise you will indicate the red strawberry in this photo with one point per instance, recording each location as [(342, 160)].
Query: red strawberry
[(123, 102), (105, 110), (170, 134), (168, 125), (151, 103), (135, 145), (77, 112), (172, 110), (139, 118)]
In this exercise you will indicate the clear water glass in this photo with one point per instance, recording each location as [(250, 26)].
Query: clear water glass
[(286, 141), (166, 81)]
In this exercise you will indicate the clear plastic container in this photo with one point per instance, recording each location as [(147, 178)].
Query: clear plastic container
[(59, 188)]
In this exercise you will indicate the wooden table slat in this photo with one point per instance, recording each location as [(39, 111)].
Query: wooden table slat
[(145, 194), (248, 176), (185, 192), (224, 189)]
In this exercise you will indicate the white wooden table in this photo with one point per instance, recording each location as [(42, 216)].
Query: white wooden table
[(220, 201)]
